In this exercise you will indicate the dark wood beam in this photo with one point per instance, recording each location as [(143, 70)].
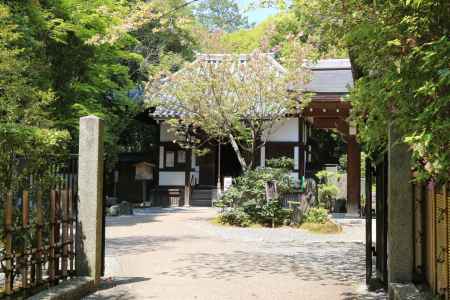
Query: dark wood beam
[(332, 123)]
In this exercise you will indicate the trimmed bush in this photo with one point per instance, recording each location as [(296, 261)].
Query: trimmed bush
[(246, 199), (236, 217), (316, 215), (327, 228)]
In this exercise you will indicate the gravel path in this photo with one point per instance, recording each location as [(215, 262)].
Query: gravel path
[(178, 254)]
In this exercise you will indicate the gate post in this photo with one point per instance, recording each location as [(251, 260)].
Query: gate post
[(90, 199), (400, 210)]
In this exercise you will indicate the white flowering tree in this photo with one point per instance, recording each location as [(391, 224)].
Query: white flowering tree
[(232, 99)]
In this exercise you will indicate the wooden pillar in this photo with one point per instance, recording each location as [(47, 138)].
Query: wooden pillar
[(353, 175), (157, 158), (301, 149), (187, 179)]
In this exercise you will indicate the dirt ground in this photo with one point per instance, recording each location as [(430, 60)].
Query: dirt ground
[(179, 254)]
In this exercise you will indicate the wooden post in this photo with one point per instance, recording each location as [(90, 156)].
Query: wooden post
[(26, 223), (65, 231), (52, 240), (187, 179), (39, 225), (301, 150), (353, 175), (9, 279), (70, 216)]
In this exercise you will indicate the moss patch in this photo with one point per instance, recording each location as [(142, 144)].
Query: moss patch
[(326, 228)]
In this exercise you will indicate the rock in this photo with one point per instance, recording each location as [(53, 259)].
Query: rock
[(126, 208), (114, 211)]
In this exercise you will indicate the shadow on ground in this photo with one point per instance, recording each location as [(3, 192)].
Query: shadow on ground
[(311, 262), (122, 293), (140, 244)]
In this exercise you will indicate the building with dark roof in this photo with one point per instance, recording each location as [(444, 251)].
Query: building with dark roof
[(197, 177)]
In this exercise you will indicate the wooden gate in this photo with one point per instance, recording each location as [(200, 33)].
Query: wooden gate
[(377, 172), (382, 218)]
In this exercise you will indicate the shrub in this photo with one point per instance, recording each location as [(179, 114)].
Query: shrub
[(248, 196), (236, 217), (327, 187), (316, 215), (327, 228)]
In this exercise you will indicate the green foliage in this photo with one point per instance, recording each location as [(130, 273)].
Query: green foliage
[(327, 187), (64, 59), (282, 163), (220, 14), (328, 148), (316, 215), (343, 163), (26, 132), (248, 194), (403, 78), (235, 217)]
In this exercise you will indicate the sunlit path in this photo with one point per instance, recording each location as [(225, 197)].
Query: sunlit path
[(178, 254)]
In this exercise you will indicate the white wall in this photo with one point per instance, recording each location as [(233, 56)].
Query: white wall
[(168, 178), (284, 131), (166, 135), (175, 178)]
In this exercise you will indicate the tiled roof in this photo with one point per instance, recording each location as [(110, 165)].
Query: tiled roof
[(328, 76)]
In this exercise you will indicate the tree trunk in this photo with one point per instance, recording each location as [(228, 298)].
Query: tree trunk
[(253, 154), (238, 152)]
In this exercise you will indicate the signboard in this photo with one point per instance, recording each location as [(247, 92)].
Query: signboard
[(144, 171)]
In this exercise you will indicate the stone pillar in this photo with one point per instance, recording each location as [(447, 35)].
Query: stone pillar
[(400, 211), (90, 193), (353, 175)]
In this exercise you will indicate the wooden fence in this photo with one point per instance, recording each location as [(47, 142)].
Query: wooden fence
[(432, 236), (37, 248)]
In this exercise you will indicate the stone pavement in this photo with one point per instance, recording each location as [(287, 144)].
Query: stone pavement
[(178, 254)]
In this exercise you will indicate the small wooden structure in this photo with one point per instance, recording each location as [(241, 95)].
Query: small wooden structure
[(144, 173)]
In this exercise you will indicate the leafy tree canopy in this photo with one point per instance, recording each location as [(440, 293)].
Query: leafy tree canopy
[(25, 123), (399, 52), (231, 99), (68, 58), (220, 15)]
